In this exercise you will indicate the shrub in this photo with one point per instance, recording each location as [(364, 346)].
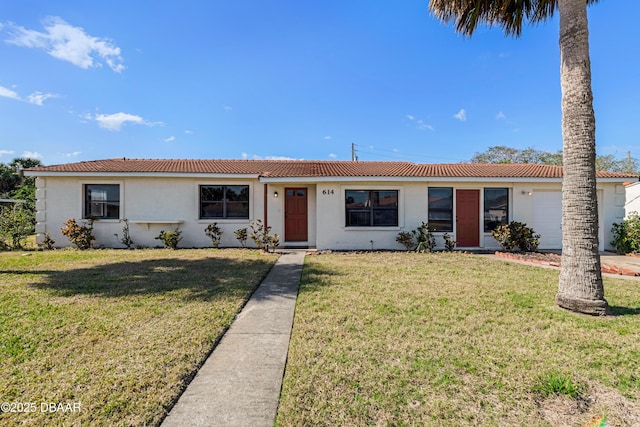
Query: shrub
[(214, 233), (449, 243), (48, 242), (261, 237), (170, 238), (126, 237), (81, 235), (16, 224), (626, 235), (424, 237), (516, 236), (405, 239), (241, 235)]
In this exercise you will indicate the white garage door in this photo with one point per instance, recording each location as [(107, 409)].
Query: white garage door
[(547, 218)]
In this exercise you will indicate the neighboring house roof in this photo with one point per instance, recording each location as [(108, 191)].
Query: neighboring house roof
[(310, 169)]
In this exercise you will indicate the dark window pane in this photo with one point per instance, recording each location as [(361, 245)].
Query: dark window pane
[(357, 198), (496, 207), (237, 209), (211, 193), (236, 193), (358, 218), (385, 217), (385, 198), (440, 214), (212, 210)]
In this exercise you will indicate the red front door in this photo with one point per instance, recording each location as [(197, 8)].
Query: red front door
[(468, 218), (295, 214)]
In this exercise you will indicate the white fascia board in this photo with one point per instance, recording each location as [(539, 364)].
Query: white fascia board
[(402, 179), (143, 175)]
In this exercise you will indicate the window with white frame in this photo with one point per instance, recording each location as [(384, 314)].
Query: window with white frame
[(371, 208), (102, 201), (224, 201)]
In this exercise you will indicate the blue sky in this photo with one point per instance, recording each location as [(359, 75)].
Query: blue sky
[(84, 80)]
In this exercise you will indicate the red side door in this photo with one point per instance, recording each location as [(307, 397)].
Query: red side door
[(468, 218)]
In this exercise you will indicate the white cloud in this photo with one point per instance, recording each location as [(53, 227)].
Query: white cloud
[(3, 152), (246, 156), (188, 132), (8, 93), (420, 124), (275, 158), (333, 156), (170, 139), (114, 122), (73, 154), (228, 107), (68, 43), (461, 115), (500, 116), (423, 126), (31, 155), (38, 98), (327, 138)]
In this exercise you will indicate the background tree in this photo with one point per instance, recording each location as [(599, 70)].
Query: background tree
[(17, 222), (503, 154), (580, 286)]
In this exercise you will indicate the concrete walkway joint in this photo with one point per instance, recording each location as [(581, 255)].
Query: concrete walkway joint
[(239, 384)]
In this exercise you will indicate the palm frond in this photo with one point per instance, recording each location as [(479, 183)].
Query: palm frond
[(510, 15)]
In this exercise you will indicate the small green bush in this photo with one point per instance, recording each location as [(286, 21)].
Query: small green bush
[(126, 236), (261, 237), (406, 239), (241, 235), (449, 243), (170, 238), (626, 235), (214, 233), (516, 236), (81, 235), (48, 242), (424, 237)]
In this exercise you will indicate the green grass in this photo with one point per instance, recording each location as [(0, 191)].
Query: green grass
[(454, 339), (118, 331)]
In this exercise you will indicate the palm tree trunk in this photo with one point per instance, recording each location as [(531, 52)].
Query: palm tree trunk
[(580, 288)]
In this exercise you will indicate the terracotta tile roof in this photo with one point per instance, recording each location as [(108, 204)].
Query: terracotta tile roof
[(315, 168)]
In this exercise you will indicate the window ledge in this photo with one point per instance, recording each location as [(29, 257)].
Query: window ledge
[(148, 222), (373, 228)]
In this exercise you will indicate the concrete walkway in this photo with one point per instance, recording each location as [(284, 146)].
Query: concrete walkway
[(239, 384)]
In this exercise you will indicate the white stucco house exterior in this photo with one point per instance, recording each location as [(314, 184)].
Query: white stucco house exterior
[(339, 205), (632, 198)]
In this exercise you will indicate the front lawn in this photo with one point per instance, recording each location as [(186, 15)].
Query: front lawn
[(455, 340), (115, 333)]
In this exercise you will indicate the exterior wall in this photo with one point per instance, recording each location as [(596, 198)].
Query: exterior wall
[(413, 209), (150, 205), (155, 204), (632, 192)]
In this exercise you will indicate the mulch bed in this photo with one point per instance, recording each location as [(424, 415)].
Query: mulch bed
[(554, 261)]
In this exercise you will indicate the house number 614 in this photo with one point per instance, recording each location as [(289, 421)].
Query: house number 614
[(325, 192)]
